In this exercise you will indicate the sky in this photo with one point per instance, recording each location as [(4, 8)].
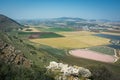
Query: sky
[(36, 9)]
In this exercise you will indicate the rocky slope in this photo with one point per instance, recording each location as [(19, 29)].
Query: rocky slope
[(9, 55), (8, 51)]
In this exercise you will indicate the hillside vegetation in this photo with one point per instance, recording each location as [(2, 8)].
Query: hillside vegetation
[(17, 60), (7, 24)]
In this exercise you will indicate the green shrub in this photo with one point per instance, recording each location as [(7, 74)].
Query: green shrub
[(100, 73), (12, 72)]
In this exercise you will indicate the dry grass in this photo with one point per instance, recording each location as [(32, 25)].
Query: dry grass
[(111, 33), (73, 40), (76, 33), (32, 29)]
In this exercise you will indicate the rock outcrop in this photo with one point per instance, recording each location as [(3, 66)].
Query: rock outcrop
[(10, 55), (67, 72)]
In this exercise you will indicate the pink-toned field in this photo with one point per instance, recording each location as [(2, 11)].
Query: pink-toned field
[(82, 53)]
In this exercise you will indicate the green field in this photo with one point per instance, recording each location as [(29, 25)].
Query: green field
[(103, 49), (34, 35)]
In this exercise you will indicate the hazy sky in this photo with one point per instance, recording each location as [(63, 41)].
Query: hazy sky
[(88, 9)]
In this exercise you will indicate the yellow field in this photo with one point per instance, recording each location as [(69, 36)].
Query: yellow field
[(111, 33), (32, 29), (76, 33), (73, 40)]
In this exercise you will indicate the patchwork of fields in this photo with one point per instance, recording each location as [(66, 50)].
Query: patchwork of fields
[(56, 47), (79, 39), (60, 39)]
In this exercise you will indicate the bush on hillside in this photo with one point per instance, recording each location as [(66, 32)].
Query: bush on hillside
[(12, 72)]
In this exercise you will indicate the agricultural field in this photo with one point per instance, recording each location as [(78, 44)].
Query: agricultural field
[(30, 29), (34, 35), (55, 29), (103, 49), (93, 55), (73, 40)]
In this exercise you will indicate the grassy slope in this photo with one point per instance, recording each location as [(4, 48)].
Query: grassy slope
[(36, 72), (8, 24), (30, 51)]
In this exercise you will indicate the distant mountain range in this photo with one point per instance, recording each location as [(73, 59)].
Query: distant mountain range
[(81, 19), (62, 20), (99, 20), (69, 19)]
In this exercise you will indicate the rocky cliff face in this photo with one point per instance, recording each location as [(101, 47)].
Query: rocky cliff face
[(10, 55)]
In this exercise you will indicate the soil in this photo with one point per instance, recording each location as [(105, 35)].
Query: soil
[(88, 54)]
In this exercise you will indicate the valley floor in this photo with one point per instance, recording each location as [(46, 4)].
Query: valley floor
[(72, 40)]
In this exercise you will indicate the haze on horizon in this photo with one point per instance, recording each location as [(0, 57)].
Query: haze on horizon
[(36, 9)]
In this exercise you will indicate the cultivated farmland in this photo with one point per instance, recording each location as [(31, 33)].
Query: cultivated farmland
[(34, 35), (31, 29), (73, 40)]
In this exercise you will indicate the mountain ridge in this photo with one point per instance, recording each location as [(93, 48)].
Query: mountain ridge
[(7, 24)]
